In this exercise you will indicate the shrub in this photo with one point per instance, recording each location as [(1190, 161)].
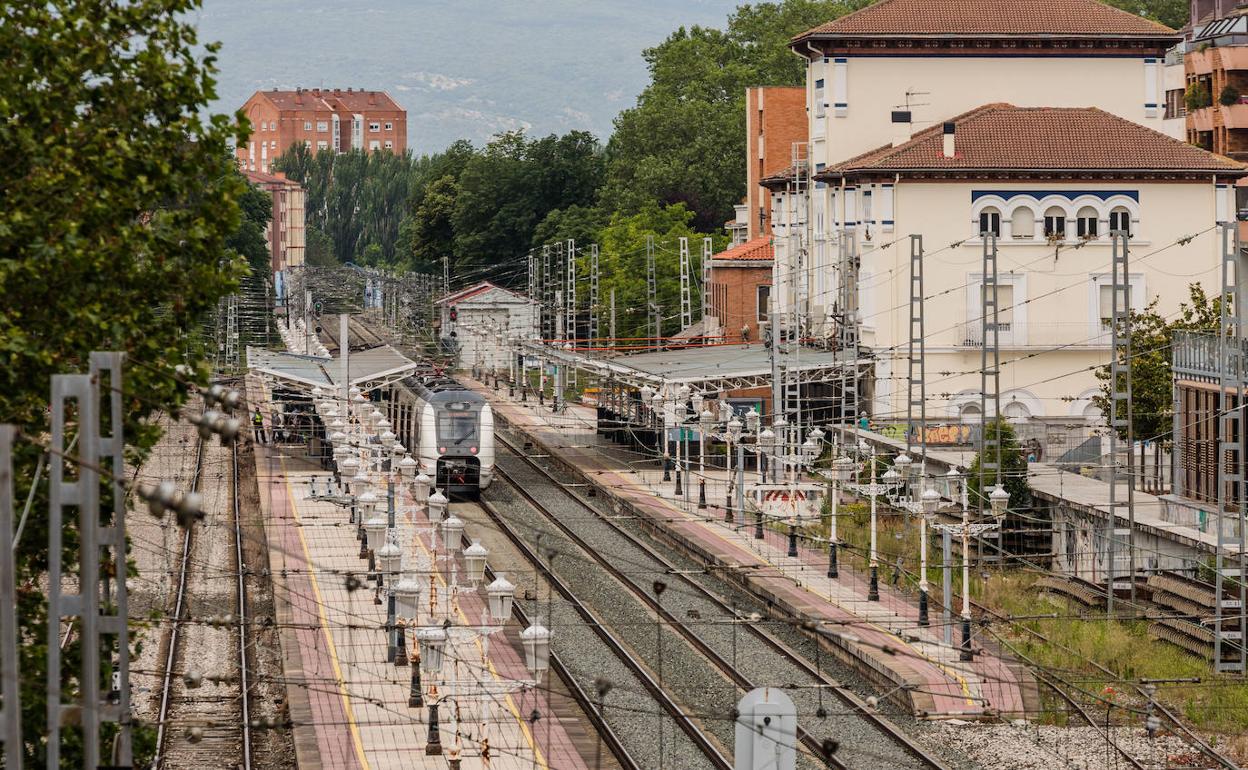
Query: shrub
[(1197, 96)]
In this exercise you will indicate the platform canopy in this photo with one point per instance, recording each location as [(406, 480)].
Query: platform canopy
[(368, 369), (704, 368)]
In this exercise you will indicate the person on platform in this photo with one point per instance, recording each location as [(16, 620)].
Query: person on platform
[(257, 426)]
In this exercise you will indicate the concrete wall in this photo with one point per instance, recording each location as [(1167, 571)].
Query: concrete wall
[(483, 328)]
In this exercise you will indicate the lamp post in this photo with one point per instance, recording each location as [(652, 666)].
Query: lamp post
[(707, 424), (658, 409), (842, 471), (930, 502), (432, 640), (733, 435)]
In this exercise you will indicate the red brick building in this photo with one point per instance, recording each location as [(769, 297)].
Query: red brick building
[(775, 119), (322, 119), (286, 231), (739, 285)]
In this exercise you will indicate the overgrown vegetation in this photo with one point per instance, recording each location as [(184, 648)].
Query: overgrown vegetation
[(118, 201)]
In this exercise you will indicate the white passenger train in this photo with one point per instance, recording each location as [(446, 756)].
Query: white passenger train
[(454, 435)]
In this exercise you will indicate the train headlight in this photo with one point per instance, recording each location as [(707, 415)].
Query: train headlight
[(441, 450), (472, 449)]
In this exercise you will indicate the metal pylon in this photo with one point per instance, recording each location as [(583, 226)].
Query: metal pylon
[(797, 288), (547, 297), (848, 330), (97, 610), (10, 707), (989, 378), (569, 325), (652, 302), (916, 400), (1120, 418), (708, 253), (593, 291), (686, 298), (1229, 628)]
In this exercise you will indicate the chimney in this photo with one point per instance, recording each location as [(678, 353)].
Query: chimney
[(948, 149), (901, 127)]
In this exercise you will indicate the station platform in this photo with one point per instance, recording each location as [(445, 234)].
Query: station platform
[(349, 707), (881, 638)]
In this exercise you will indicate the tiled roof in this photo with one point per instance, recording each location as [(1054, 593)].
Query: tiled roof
[(1009, 138), (992, 18), (757, 250), (331, 99), (260, 177)]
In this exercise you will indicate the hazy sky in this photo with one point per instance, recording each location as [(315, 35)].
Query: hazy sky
[(465, 69)]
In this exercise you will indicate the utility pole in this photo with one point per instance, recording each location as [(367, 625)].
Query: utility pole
[(652, 306), (989, 379), (593, 291), (847, 342), (557, 401), (686, 300), (10, 706), (97, 611), (570, 268), (446, 276), (1120, 417), (707, 255), (916, 401), (547, 297), (611, 319), (1232, 482)]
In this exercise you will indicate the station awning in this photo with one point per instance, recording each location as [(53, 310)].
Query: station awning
[(711, 367), (368, 369)]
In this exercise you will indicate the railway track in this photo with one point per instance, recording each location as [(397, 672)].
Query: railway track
[(707, 746), (820, 741), (204, 718)]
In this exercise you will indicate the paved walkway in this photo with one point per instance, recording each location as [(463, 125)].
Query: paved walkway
[(348, 704), (884, 635)]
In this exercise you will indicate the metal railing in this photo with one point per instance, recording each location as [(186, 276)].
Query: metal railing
[(1036, 334), (1196, 355)]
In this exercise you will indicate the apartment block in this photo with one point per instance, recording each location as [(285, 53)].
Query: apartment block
[(322, 119), (775, 121), (286, 230)]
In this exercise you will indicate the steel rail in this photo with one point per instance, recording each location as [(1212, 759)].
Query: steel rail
[(705, 743), (244, 676), (693, 639), (812, 744), (166, 688), (592, 712), (847, 696)]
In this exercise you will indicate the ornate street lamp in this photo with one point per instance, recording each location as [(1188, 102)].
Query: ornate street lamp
[(452, 533), (438, 505), (930, 501), (536, 642), (474, 563), (501, 593), (999, 500)]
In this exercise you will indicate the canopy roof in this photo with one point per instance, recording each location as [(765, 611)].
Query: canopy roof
[(369, 369)]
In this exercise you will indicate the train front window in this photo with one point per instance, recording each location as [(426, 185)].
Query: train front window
[(457, 428)]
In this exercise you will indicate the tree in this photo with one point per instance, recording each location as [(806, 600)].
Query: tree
[(249, 240), (1013, 471), (684, 142), (1172, 13), (428, 232), (118, 200), (318, 248), (1152, 379)]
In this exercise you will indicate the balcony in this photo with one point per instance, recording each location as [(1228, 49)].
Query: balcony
[(1043, 334), (1200, 120), (1197, 356)]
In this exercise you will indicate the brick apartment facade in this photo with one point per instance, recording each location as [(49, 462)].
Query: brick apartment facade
[(775, 118), (322, 119), (286, 231), (740, 288)]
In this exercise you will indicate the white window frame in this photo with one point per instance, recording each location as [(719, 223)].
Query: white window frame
[(1139, 298), (819, 96), (389, 126), (307, 125), (322, 126), (374, 145), (1017, 334), (374, 127), (389, 145), (321, 144)]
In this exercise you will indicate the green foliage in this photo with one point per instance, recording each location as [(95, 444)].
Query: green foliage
[(249, 241), (1229, 95), (428, 232), (1172, 13), (1013, 471), (318, 248), (118, 200), (684, 141), (1152, 339), (623, 263), (356, 198), (1197, 96)]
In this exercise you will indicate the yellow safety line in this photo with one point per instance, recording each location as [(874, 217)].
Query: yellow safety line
[(320, 611), (510, 702)]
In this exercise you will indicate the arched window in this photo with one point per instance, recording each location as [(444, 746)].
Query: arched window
[(969, 413), (1023, 223), (990, 221), (1120, 219), (1086, 223), (1016, 412), (1055, 223)]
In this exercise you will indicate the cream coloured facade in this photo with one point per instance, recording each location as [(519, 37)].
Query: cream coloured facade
[(1054, 296)]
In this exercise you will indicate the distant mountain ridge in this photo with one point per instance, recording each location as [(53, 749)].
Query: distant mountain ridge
[(466, 69)]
